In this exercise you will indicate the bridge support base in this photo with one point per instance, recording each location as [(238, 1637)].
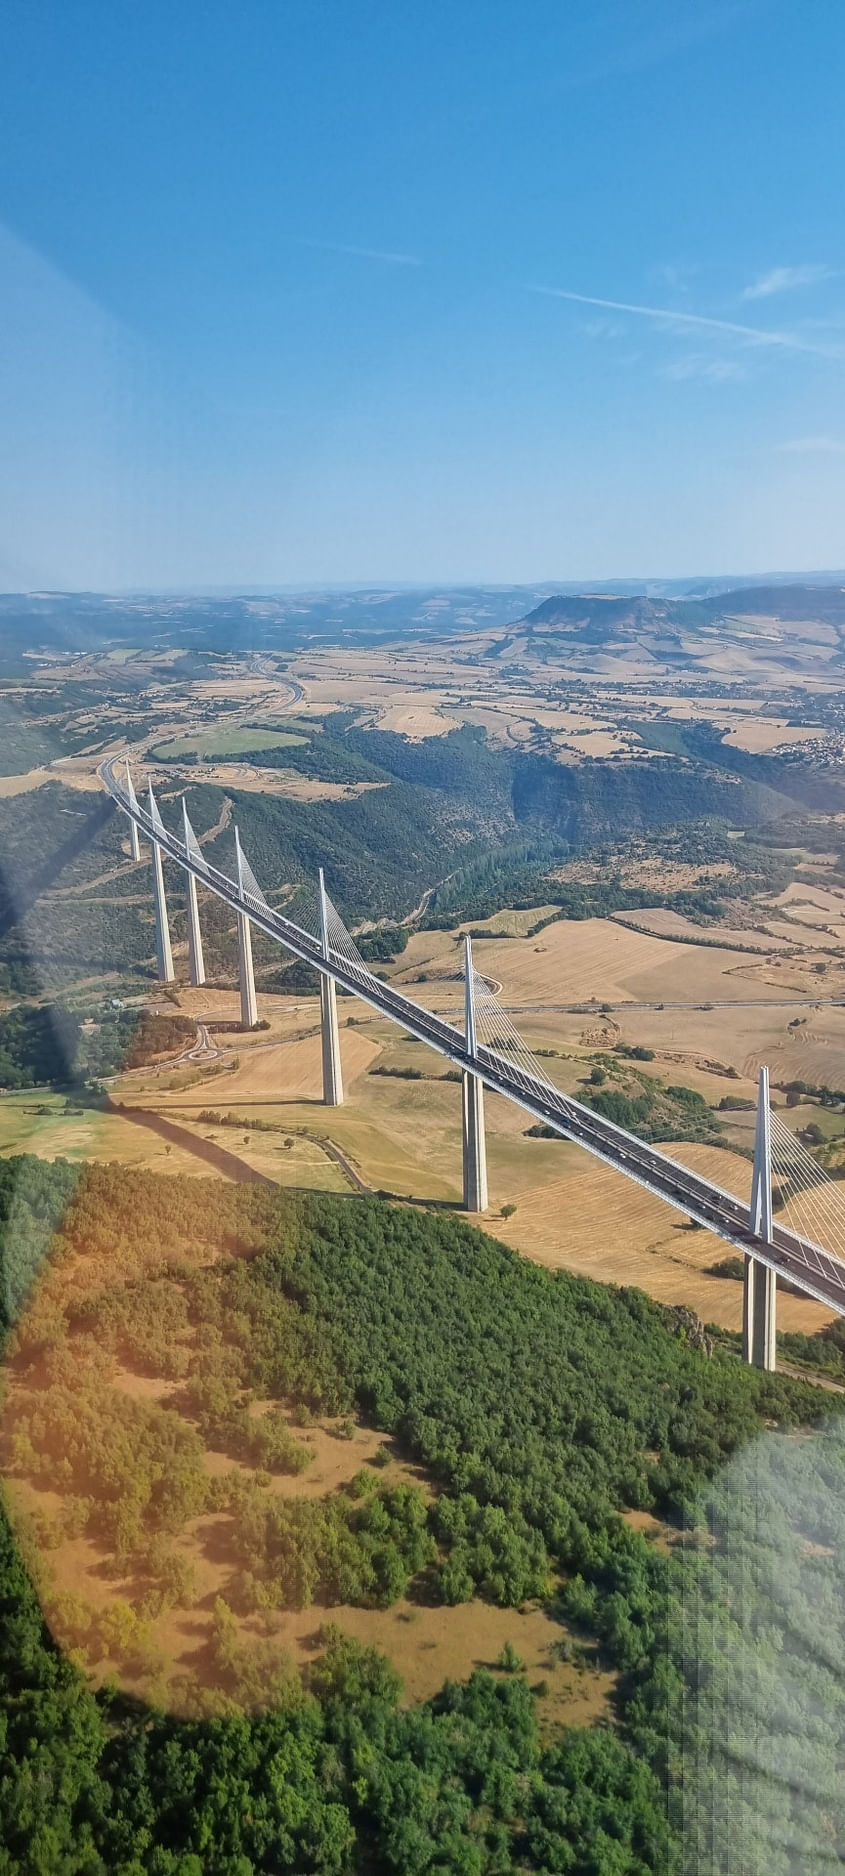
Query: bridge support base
[(246, 974), (164, 954), (474, 1144), (134, 842), (196, 961), (330, 1044), (759, 1315)]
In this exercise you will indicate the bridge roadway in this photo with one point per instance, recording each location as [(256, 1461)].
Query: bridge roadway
[(813, 1270)]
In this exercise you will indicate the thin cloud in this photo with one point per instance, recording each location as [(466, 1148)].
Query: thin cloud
[(604, 329), (814, 446), (698, 365), (669, 318), (676, 278), (366, 254), (784, 279)]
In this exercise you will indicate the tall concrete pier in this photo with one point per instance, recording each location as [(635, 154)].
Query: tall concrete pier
[(329, 1032), (134, 842), (473, 1140), (164, 953), (246, 974), (759, 1295), (196, 961)]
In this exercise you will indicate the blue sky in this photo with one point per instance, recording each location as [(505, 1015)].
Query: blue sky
[(301, 291)]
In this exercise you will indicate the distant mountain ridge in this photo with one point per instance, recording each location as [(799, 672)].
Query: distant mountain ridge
[(630, 610)]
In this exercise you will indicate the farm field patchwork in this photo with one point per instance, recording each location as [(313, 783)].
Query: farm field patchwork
[(402, 1137)]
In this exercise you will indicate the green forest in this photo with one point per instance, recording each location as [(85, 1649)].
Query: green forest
[(541, 1405), (46, 1042)]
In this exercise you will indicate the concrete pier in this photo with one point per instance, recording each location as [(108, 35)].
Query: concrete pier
[(474, 1144), (164, 953), (246, 974), (759, 1294), (473, 1140), (759, 1315), (329, 1032), (196, 961)]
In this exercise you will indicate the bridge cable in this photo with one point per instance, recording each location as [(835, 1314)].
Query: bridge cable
[(500, 1037), (252, 890), (807, 1186), (803, 1176), (192, 846)]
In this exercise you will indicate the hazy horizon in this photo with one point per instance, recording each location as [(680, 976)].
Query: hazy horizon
[(603, 584)]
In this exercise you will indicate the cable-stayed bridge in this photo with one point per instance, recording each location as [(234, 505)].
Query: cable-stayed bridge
[(804, 1246)]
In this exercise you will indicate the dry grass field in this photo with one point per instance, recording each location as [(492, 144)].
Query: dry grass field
[(403, 1137), (37, 1123), (759, 734), (607, 961), (170, 1657), (426, 1643), (22, 784), (251, 779), (664, 923), (293, 1067), (591, 1220)]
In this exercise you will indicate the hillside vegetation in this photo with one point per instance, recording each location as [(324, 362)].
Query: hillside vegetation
[(541, 1406)]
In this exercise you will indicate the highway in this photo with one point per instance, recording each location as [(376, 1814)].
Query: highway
[(814, 1270)]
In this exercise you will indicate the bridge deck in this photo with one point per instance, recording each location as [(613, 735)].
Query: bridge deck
[(815, 1271)]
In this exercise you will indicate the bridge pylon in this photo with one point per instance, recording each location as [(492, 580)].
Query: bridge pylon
[(134, 841), (329, 1031), (759, 1291), (246, 973), (164, 953), (473, 1141), (196, 961)]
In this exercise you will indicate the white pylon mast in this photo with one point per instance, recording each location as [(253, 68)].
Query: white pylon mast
[(761, 1182), (246, 973), (324, 917), (759, 1290), (196, 961), (329, 1031), (469, 998), (134, 842), (473, 1141), (164, 952)]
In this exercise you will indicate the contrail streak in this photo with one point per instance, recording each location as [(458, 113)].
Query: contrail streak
[(755, 335)]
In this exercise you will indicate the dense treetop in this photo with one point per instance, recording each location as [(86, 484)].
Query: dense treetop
[(542, 1404)]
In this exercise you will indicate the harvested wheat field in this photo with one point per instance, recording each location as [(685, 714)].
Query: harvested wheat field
[(286, 1016), (758, 734), (743, 1037), (664, 923), (574, 961), (812, 903), (596, 1222), (289, 1071)]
